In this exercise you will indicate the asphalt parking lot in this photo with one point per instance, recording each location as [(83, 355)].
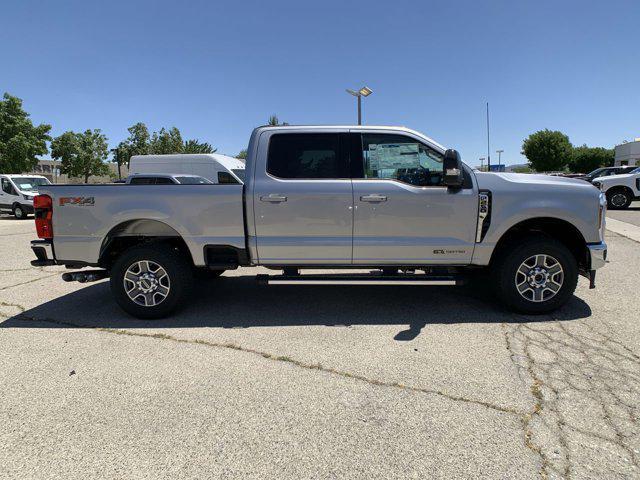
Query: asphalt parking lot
[(316, 382)]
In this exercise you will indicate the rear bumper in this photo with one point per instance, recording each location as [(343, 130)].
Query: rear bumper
[(598, 255), (43, 250)]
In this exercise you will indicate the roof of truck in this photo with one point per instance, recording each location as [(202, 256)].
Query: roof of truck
[(352, 127)]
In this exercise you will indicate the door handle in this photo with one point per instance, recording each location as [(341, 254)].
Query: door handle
[(273, 198), (373, 198)]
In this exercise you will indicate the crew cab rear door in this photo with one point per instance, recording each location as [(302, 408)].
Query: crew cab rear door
[(403, 213), (303, 199)]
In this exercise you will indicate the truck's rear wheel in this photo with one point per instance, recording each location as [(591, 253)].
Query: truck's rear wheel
[(619, 199), (536, 276), (151, 281)]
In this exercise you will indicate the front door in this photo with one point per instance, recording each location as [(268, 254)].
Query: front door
[(403, 213), (8, 194), (303, 204)]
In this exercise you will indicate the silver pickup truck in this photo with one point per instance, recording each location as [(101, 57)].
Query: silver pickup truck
[(384, 200)]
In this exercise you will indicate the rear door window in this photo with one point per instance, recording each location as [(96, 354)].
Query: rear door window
[(307, 156)]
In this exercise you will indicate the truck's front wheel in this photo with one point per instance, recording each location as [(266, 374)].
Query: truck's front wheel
[(151, 281), (536, 276)]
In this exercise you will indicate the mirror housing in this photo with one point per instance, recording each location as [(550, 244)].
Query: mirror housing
[(453, 171)]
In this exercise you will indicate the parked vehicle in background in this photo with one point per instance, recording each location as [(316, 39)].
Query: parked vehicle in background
[(166, 179), (604, 172), (17, 192), (620, 190), (217, 168), (385, 199)]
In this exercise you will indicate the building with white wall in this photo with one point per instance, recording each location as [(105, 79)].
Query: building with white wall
[(628, 153)]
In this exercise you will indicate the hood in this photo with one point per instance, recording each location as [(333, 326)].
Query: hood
[(530, 179), (615, 178)]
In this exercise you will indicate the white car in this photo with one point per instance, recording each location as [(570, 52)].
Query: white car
[(620, 190), (217, 168), (17, 192)]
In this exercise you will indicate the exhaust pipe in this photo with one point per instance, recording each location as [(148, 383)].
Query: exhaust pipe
[(84, 277)]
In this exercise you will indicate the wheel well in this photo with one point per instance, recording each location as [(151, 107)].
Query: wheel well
[(138, 232), (560, 230), (624, 188)]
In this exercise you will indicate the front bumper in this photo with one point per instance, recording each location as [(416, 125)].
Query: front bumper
[(597, 255), (43, 249)]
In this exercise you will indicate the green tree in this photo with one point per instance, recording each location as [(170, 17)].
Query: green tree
[(166, 142), (137, 143), (273, 121), (140, 142), (242, 155), (585, 159), (20, 140), (81, 154), (195, 146), (547, 150)]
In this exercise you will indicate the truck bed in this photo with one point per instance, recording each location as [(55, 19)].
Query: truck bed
[(84, 216)]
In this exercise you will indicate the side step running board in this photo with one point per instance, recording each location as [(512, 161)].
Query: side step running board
[(364, 279)]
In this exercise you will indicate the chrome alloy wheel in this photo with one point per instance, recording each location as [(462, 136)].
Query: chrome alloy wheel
[(146, 283), (618, 199), (539, 278)]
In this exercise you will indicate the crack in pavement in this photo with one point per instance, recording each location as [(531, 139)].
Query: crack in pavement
[(29, 281), (584, 383), (283, 358)]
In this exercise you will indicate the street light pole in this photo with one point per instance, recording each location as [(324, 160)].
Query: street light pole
[(499, 152), (363, 92), (488, 147)]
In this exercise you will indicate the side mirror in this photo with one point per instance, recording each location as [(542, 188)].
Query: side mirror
[(453, 171)]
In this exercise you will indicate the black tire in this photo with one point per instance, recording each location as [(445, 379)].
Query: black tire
[(178, 271), (619, 199), (19, 212), (513, 257)]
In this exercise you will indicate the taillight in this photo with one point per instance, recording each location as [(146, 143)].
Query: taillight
[(43, 210)]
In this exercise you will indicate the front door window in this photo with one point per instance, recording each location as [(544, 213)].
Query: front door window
[(396, 157)]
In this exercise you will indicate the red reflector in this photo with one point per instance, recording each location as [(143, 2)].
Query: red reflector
[(43, 209)]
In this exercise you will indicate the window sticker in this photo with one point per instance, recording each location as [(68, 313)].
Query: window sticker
[(393, 156)]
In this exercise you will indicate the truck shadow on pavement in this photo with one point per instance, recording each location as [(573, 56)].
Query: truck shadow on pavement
[(239, 302)]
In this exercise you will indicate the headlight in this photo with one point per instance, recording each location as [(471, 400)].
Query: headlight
[(598, 185), (28, 197)]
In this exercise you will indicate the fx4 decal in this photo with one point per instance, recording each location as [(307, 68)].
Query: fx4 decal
[(78, 201)]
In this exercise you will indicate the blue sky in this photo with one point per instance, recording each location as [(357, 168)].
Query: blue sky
[(217, 69)]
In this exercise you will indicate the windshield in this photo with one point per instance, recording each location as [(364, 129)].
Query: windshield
[(193, 181), (595, 172), (635, 170), (238, 172), (30, 184)]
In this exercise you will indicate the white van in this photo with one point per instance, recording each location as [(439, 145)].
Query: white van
[(217, 168), (17, 192)]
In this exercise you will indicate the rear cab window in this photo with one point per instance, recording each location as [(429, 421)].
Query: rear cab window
[(307, 156)]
